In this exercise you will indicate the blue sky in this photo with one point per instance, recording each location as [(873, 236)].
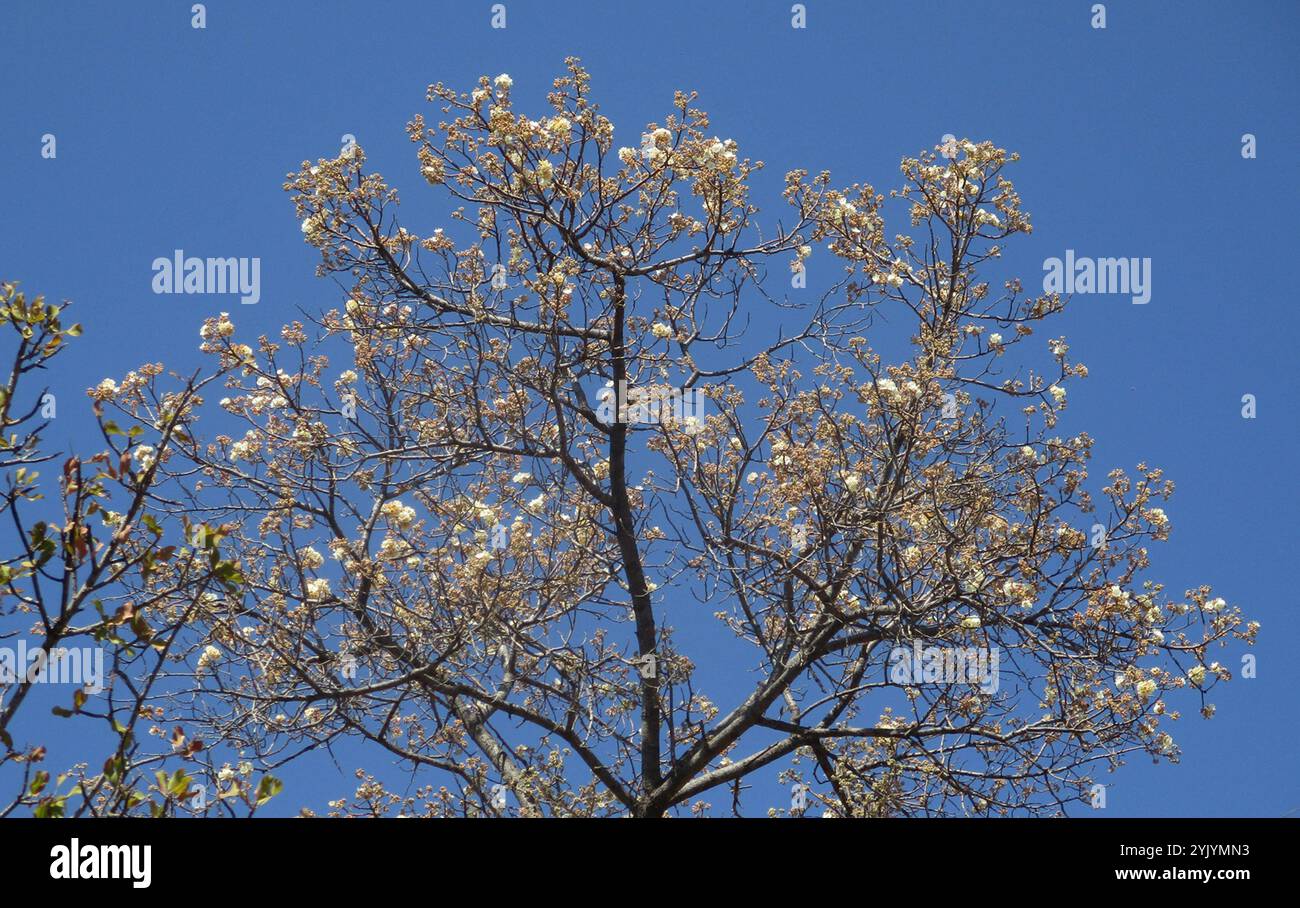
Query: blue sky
[(171, 137)]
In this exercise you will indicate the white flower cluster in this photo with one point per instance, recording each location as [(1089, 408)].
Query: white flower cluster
[(394, 549), (1021, 593), (209, 655), (398, 514), (891, 390), (247, 447), (719, 155), (220, 327), (654, 145), (309, 558), (143, 456)]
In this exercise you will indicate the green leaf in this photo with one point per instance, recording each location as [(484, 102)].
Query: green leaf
[(268, 788), (49, 808)]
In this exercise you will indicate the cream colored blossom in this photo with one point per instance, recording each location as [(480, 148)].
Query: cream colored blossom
[(309, 558), (209, 655), (397, 513)]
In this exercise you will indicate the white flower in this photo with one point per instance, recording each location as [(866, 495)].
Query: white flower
[(503, 82), (1146, 688), (223, 327), (970, 622), (852, 481), (1215, 605), (433, 172), (660, 330), (246, 448), (995, 340), (537, 503), (1196, 675), (310, 558), (210, 654), (1058, 393), (520, 478), (398, 513), (393, 549), (752, 478), (886, 386), (318, 589), (1028, 453), (144, 457)]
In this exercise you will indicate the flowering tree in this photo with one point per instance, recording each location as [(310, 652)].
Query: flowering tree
[(567, 535), (79, 579)]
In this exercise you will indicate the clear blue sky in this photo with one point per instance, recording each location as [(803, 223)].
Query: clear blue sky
[(170, 137)]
